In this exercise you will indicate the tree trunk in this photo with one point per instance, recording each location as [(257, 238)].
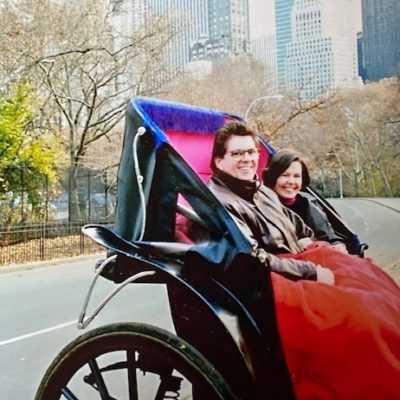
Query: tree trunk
[(74, 214)]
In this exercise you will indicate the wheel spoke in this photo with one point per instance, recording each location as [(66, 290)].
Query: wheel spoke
[(132, 380), (68, 394), (109, 362), (101, 386)]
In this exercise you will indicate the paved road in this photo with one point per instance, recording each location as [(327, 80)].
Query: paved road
[(38, 313), (377, 222), (393, 202), (39, 306)]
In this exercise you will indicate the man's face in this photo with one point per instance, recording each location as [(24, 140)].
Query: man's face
[(240, 159)]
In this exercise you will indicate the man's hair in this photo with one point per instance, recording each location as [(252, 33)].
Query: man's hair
[(279, 163), (223, 135)]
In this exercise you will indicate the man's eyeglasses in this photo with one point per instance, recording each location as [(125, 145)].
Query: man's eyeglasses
[(238, 155)]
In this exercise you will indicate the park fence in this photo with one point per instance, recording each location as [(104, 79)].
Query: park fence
[(89, 196), (44, 241), (33, 231)]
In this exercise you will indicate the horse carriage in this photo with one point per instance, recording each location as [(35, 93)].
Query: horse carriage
[(169, 228)]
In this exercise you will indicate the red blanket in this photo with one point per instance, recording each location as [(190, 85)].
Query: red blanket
[(342, 341)]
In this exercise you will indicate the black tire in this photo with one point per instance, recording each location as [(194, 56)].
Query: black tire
[(98, 363)]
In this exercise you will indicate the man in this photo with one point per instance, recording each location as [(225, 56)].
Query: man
[(270, 227)]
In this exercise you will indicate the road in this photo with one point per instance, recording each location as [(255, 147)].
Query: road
[(377, 222), (40, 306), (39, 309)]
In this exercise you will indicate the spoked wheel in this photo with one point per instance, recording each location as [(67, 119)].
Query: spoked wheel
[(131, 361)]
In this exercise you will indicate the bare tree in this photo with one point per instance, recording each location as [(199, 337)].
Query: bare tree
[(391, 115), (84, 70), (373, 146), (276, 114), (231, 86), (353, 138)]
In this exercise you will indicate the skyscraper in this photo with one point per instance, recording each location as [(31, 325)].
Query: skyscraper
[(283, 27), (228, 22), (381, 38), (128, 15), (263, 50), (262, 38), (207, 29), (361, 56), (192, 19), (322, 52)]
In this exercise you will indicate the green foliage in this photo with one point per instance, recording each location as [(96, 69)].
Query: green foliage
[(27, 158), (15, 117)]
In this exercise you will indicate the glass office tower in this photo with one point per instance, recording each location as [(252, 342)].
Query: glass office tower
[(322, 53), (193, 17), (381, 38), (283, 9), (228, 22)]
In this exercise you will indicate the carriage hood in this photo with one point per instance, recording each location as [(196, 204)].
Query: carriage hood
[(173, 157)]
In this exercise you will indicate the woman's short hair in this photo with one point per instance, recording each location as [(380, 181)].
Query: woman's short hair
[(223, 135), (279, 163)]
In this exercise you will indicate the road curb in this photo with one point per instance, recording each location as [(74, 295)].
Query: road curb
[(383, 204), (48, 263), (393, 269)]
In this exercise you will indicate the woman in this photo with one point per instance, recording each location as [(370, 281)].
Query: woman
[(341, 340), (287, 174)]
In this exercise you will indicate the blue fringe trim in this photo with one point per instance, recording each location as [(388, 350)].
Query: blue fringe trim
[(177, 116)]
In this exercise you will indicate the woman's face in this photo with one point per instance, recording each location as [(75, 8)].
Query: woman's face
[(289, 183)]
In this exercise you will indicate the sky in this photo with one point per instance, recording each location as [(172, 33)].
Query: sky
[(262, 19)]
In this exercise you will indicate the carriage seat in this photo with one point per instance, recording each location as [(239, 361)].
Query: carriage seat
[(189, 227)]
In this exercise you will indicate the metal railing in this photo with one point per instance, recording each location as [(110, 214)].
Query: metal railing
[(92, 199), (44, 241)]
